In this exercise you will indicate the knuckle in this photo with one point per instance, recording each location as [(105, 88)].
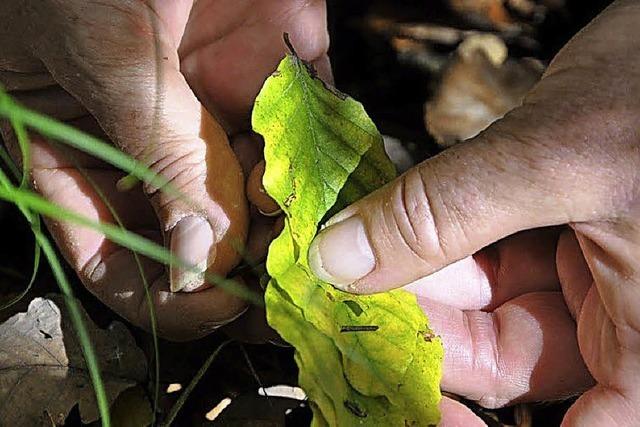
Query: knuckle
[(485, 359), (180, 165), (412, 217), (492, 401)]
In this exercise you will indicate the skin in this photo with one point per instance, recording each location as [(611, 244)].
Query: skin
[(525, 239), (258, 195), (135, 73)]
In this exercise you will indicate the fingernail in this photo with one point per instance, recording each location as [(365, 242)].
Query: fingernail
[(342, 254), (192, 242)]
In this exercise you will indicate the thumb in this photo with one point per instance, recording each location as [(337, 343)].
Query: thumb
[(120, 61), (453, 205)]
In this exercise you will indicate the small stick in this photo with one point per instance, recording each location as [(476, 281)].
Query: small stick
[(364, 328)]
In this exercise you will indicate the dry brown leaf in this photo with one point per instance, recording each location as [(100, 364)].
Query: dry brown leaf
[(478, 87), (486, 11), (131, 409), (42, 370)]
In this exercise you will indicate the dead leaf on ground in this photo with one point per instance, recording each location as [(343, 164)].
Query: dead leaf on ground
[(478, 87), (131, 409), (505, 15), (485, 11), (428, 46), (42, 370)]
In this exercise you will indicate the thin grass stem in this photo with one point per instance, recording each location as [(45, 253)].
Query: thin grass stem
[(194, 382)]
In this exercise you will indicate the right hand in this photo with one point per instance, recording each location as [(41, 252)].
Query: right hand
[(133, 72), (527, 311)]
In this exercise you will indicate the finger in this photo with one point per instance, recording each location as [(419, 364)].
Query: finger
[(258, 196), (109, 271), (455, 414), (526, 350), (75, 181), (458, 202), (78, 183), (514, 266), (602, 293), (134, 88), (209, 51), (260, 236), (611, 348), (262, 232), (573, 272), (116, 280), (248, 149), (603, 406)]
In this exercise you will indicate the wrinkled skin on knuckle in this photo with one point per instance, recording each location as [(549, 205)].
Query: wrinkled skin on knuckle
[(414, 216), (181, 164), (452, 188), (199, 186), (407, 221)]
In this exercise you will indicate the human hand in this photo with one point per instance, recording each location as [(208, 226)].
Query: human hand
[(527, 311), (133, 72)]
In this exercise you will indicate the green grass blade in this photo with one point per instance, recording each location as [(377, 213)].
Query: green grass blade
[(70, 301), (145, 284), (194, 381), (82, 141), (82, 333), (122, 237), (8, 162), (23, 142)]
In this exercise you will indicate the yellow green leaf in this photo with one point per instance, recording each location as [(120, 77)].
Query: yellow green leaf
[(363, 359)]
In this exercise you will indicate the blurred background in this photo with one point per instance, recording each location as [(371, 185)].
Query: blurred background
[(434, 72)]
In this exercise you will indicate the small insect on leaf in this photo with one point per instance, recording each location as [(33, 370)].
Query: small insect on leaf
[(355, 409), (363, 328), (289, 199), (428, 336), (354, 307)]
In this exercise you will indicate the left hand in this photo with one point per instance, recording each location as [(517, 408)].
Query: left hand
[(135, 72)]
